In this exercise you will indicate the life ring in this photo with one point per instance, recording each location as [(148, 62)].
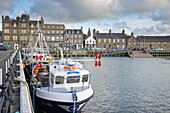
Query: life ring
[(38, 75), (68, 68)]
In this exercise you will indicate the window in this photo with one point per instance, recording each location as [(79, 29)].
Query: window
[(57, 38), (32, 25), (53, 39), (52, 27), (15, 31), (23, 25), (62, 32), (48, 32), (93, 42), (57, 32), (14, 37), (44, 27), (73, 79), (129, 43), (75, 36), (15, 25), (52, 32), (75, 41), (87, 42), (79, 36), (6, 30), (105, 40), (123, 40), (134, 43), (113, 40), (8, 44), (6, 25), (23, 20), (61, 38), (99, 40), (6, 37), (26, 38), (61, 27), (23, 31), (57, 27), (117, 40), (59, 80), (78, 32), (48, 38), (44, 32), (79, 41), (109, 40), (85, 78), (117, 46), (48, 27), (32, 31), (123, 46)]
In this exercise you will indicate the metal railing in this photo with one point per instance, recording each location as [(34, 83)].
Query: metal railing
[(7, 87)]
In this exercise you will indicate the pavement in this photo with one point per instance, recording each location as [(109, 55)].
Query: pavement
[(4, 56), (141, 54)]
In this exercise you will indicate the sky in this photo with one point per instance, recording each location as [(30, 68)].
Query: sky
[(142, 17)]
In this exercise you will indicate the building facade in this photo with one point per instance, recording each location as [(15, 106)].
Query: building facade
[(74, 38), (154, 42), (90, 42), (19, 30), (111, 40)]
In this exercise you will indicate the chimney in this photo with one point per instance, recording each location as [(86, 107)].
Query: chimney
[(97, 31), (131, 33), (94, 33), (42, 20), (2, 17), (123, 31), (28, 16), (82, 28), (110, 31)]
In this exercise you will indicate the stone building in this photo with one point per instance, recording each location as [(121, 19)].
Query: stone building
[(132, 42), (74, 38), (111, 40), (19, 30), (154, 42), (0, 36)]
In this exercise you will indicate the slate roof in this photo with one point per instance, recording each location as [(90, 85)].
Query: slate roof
[(154, 38), (69, 31), (113, 35)]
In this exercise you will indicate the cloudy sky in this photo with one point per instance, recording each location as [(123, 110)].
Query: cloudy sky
[(143, 17)]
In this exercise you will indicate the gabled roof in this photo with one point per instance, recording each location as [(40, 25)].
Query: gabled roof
[(112, 35), (154, 38)]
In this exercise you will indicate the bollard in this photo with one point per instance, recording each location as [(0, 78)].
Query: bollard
[(6, 67)]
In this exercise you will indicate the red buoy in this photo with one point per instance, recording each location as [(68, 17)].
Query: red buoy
[(96, 55), (95, 63), (99, 56), (41, 65), (36, 57), (99, 63)]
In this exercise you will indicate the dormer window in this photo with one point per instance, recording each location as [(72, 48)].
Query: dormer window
[(23, 20)]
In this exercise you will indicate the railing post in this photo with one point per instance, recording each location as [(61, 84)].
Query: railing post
[(6, 67)]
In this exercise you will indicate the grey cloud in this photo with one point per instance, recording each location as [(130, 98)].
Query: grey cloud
[(121, 25), (145, 30), (6, 5)]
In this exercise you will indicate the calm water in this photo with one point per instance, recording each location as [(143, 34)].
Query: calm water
[(129, 85)]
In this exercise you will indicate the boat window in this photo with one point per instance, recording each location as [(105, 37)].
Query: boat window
[(59, 80), (52, 78), (85, 78), (73, 79), (33, 56)]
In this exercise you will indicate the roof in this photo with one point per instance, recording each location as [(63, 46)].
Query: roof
[(69, 31), (154, 38), (113, 35)]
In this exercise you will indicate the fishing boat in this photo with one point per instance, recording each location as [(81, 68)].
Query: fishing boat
[(66, 88)]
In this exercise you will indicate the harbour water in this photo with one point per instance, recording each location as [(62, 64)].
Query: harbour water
[(128, 85)]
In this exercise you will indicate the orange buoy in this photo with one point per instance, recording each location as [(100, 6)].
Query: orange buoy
[(36, 69), (68, 68), (53, 58), (23, 66), (38, 75)]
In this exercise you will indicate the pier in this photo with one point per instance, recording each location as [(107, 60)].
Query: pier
[(14, 90)]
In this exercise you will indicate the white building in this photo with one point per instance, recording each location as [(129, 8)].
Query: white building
[(90, 42)]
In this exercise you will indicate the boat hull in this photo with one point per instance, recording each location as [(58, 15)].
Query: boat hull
[(48, 106)]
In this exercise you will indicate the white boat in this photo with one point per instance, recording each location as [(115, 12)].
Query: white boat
[(67, 88)]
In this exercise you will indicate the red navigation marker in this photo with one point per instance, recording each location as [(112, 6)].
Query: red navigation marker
[(41, 65), (96, 64), (99, 56), (40, 57), (96, 55), (36, 57), (99, 63), (37, 65)]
